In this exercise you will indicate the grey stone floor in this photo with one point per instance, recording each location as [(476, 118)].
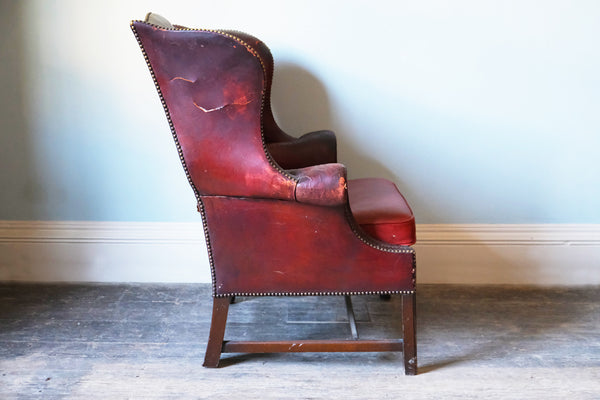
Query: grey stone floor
[(146, 341)]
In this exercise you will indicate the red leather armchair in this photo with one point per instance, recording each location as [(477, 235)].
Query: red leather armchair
[(280, 216)]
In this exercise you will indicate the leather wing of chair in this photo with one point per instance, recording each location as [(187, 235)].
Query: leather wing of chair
[(280, 216)]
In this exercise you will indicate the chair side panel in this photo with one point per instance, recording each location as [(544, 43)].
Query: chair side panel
[(279, 247)]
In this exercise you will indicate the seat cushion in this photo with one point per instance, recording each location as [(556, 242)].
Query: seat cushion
[(381, 210)]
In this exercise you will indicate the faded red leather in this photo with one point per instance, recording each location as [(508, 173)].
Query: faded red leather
[(323, 184), (382, 211), (287, 247), (276, 208), (213, 87)]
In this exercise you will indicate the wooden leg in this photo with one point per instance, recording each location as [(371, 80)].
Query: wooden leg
[(409, 322), (351, 318), (408, 345), (217, 331)]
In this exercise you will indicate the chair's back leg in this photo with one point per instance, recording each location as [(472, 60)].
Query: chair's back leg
[(217, 331), (409, 325), (351, 317)]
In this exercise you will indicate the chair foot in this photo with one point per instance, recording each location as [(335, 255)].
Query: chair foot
[(409, 331), (217, 332)]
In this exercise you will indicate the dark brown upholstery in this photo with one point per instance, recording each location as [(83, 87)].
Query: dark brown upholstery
[(280, 216)]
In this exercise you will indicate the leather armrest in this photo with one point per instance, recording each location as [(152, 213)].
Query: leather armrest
[(323, 184), (310, 149)]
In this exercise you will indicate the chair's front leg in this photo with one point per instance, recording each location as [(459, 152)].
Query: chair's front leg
[(409, 325), (217, 331)]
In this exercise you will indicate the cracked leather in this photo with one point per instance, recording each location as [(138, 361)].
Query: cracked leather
[(275, 207), (215, 89), (323, 184)]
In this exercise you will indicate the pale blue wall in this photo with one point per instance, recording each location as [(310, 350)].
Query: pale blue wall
[(481, 111)]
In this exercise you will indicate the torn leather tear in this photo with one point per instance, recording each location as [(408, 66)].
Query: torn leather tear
[(235, 103)]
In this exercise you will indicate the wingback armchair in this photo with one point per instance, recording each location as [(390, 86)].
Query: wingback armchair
[(280, 216)]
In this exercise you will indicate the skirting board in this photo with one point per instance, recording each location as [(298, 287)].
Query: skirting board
[(59, 251)]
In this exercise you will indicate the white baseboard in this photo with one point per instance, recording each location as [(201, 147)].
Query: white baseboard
[(540, 254), (49, 251), (52, 251)]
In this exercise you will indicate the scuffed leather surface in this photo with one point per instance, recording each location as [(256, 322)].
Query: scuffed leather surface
[(269, 231), (213, 87), (272, 246), (381, 210), (323, 184)]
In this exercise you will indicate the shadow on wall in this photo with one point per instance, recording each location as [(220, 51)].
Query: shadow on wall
[(18, 180), (301, 104)]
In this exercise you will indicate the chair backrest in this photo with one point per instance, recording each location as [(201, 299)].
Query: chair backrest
[(215, 86)]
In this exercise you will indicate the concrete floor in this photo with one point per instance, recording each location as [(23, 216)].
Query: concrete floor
[(147, 341)]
